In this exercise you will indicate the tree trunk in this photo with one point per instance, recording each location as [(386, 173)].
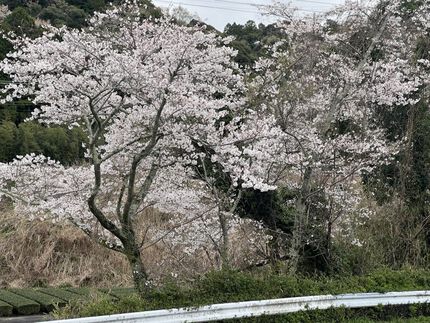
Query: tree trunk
[(407, 160), (275, 248), (299, 220), (225, 245), (328, 243), (140, 277), (296, 239)]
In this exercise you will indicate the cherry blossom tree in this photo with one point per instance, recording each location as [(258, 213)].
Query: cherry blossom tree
[(242, 160), (148, 94), (324, 85)]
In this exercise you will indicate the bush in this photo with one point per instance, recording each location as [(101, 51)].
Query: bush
[(232, 286)]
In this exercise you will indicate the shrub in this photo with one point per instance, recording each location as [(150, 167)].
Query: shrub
[(232, 286)]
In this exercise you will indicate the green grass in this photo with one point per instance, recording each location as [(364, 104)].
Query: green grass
[(47, 302), (21, 305)]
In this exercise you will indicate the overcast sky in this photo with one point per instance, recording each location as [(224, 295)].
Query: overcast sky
[(220, 12)]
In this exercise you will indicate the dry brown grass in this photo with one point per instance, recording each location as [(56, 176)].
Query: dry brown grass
[(40, 253)]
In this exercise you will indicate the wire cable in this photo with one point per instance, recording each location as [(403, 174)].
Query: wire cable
[(228, 9), (207, 6), (260, 4)]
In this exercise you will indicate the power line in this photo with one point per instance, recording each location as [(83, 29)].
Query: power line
[(228, 9), (205, 6), (317, 2), (259, 4)]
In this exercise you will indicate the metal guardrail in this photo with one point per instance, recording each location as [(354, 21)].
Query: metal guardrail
[(258, 308)]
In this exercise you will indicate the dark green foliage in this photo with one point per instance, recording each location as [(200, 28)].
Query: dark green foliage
[(61, 13), (411, 5), (149, 9), (21, 305), (275, 211), (89, 6), (21, 23), (8, 135), (251, 39), (419, 181), (423, 48), (332, 26), (5, 309), (245, 54), (5, 47), (12, 4), (270, 208), (14, 112), (56, 142), (384, 181), (406, 178), (47, 302)]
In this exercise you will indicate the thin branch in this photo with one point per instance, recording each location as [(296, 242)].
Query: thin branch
[(176, 227)]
